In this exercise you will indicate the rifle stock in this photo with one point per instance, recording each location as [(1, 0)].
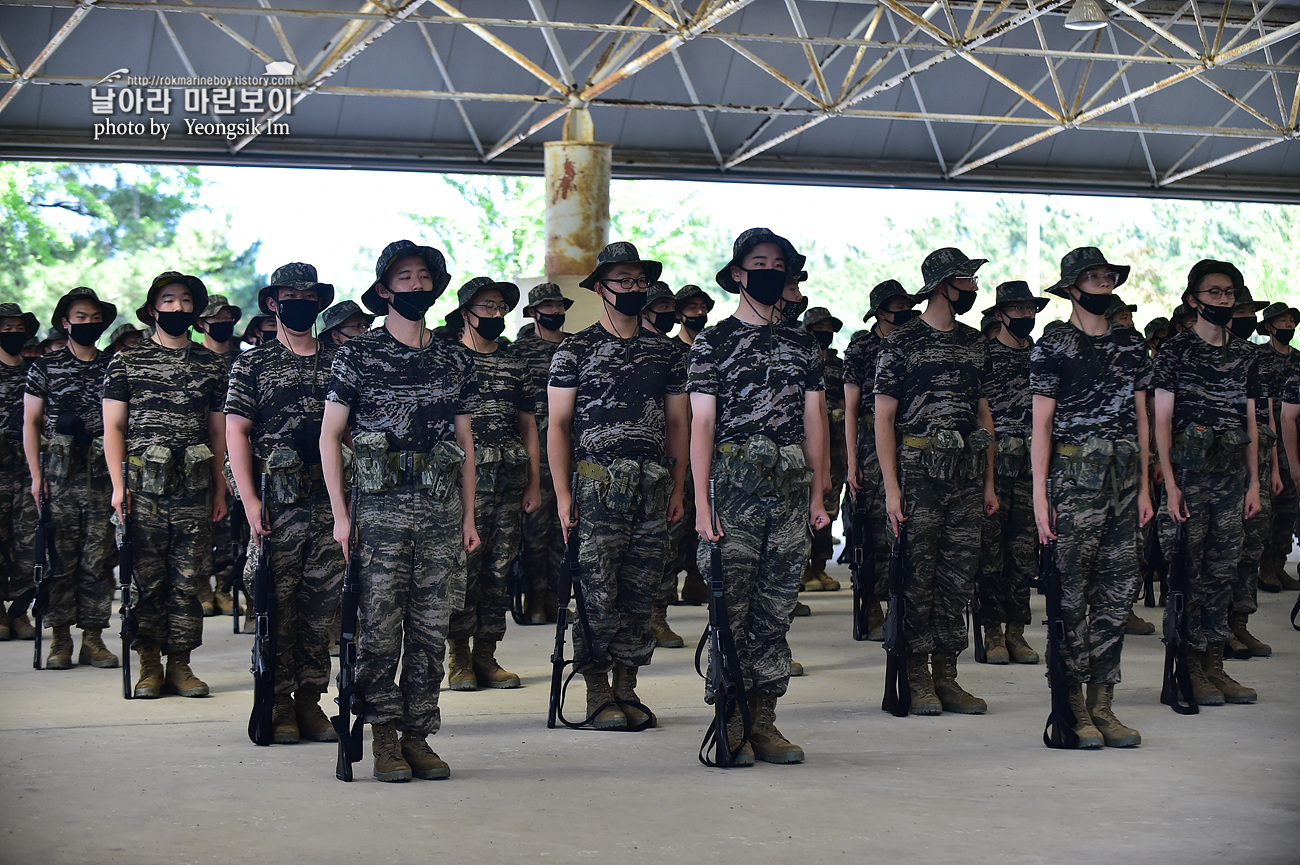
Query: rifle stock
[(239, 538), (563, 594), (898, 694), (125, 574), (1176, 683), (41, 544), (350, 699), (1059, 731), (726, 678), (265, 640), (862, 568)]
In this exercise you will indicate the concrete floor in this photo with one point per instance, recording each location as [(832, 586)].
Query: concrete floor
[(86, 777)]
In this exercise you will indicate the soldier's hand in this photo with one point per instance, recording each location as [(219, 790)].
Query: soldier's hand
[(253, 511), (1252, 503), (709, 533), (36, 489), (1045, 518), (470, 534), (532, 498), (122, 498), (676, 510), (894, 506), (342, 533), (854, 478), (991, 503), (818, 517), (1278, 486), (1174, 503), (564, 504), (1146, 511)]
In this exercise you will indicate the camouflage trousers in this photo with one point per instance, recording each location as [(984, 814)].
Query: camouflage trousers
[(1214, 502), (621, 565), (764, 545), (172, 536), (878, 533), (412, 576), (683, 544), (307, 566), (543, 541), (1286, 507), (81, 586), (1255, 532), (498, 503), (822, 545), (1008, 554), (221, 562), (17, 526)]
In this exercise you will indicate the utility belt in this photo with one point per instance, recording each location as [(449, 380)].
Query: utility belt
[(1200, 449), (763, 468), (376, 469), (1011, 457), (65, 455), (509, 456), (288, 478), (627, 483), (947, 455), (162, 471), (1098, 463)]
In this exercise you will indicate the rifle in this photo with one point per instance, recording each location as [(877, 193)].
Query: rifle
[(977, 616), (1153, 562), (1176, 686), (898, 693), (265, 639), (239, 537), (862, 567), (517, 586), (125, 573), (1059, 730), (350, 699), (42, 548), (1295, 614), (726, 678)]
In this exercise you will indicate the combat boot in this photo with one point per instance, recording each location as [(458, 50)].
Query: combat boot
[(250, 624), (93, 651), (735, 732), (665, 636), (1089, 735), (952, 696), (1235, 650), (181, 679), (625, 692), (389, 765), (1114, 733), (22, 628), (827, 583), (205, 597), (1203, 690), (60, 656), (694, 590), (875, 623), (424, 762), (284, 726), (1137, 626), (796, 669), (460, 674), (312, 723), (995, 646), (1269, 568), (1021, 652), (807, 581), (5, 633), (770, 745), (1257, 649), (536, 612), (921, 685), (489, 673), (1233, 691), (150, 683), (1285, 580), (800, 610), (601, 708), (224, 603)]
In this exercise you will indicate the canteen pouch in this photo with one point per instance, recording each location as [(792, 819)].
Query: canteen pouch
[(1010, 457), (1192, 448), (514, 455), (96, 467), (306, 441), (792, 469), (977, 448), (445, 461), (1267, 439), (656, 481), (196, 468), (286, 483), (1091, 467), (1127, 464), (155, 472), (370, 471), (60, 457), (757, 460), (942, 453), (622, 490), (1228, 450)]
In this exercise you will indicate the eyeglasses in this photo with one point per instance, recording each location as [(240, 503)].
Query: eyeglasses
[(1100, 276), (628, 283), (490, 307), (1219, 293)]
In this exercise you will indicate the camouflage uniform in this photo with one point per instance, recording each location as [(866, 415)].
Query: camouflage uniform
[(938, 378), (282, 394), (683, 541), (1211, 385), (860, 369), (1258, 529), (619, 426), (81, 495), (760, 376), (169, 394), (1275, 370), (1093, 380), (822, 545), (412, 555), (505, 388), (17, 508), (543, 542), (221, 563)]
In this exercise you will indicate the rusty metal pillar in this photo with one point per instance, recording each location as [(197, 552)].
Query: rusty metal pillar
[(577, 212)]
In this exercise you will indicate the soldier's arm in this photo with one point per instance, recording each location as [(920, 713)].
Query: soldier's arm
[(1252, 460), (1164, 444), (852, 396), (559, 448), (33, 423), (333, 426), (1290, 417), (1040, 460), (704, 415), (887, 453), (217, 444), (465, 438), (1275, 464), (115, 413), (823, 421), (677, 407), (816, 452), (527, 424), (238, 444), (985, 417), (1145, 509)]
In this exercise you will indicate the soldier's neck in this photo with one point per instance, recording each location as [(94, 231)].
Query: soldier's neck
[(1010, 340), (1093, 325), (409, 333), (303, 344), (166, 340), (549, 335), (472, 341), (939, 315), (687, 336), (645, 325), (625, 327), (1210, 333), (10, 359), (85, 353), (1278, 346)]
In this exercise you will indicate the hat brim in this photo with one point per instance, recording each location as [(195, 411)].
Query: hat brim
[(709, 302), (1040, 303), (432, 257), (532, 307), (1069, 278), (239, 311), (108, 310), (653, 270), (324, 294), (198, 293), (788, 255)]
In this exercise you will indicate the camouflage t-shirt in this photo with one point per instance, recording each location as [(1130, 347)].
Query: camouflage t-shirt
[(938, 377), (622, 386), (537, 353), (281, 392), (13, 382), (761, 377), (170, 392), (504, 388), (1093, 380), (860, 369), (72, 389), (1010, 400), (1275, 373), (833, 365), (412, 394), (1210, 383)]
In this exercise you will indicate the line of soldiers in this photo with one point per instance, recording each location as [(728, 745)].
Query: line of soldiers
[(739, 434)]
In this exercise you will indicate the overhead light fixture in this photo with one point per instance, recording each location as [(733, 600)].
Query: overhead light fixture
[(1086, 15)]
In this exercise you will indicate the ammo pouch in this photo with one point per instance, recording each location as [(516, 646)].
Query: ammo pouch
[(1192, 447), (152, 472), (976, 455), (1228, 450), (196, 471), (96, 467), (61, 457), (656, 482), (941, 453), (287, 479), (792, 469), (1090, 466), (370, 462), (753, 464), (622, 487), (1011, 457), (1267, 439), (510, 455), (442, 469), (1127, 464)]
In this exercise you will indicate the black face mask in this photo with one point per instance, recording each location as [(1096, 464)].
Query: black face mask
[(965, 300), (297, 314), (629, 302), (13, 341), (695, 323), (792, 310), (221, 331), (1243, 327), (823, 338), (765, 286), (1096, 304), (1284, 335), (1216, 315), (489, 328), (663, 321), (551, 320), (1021, 328), (85, 333), (901, 317), (176, 322), (412, 305)]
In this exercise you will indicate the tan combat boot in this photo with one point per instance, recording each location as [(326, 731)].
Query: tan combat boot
[(1021, 652), (736, 730), (22, 628), (93, 651), (921, 685), (665, 636), (827, 583), (489, 673), (599, 694), (796, 669), (1257, 649), (1233, 691), (1137, 626), (181, 679), (995, 646), (60, 656), (1203, 690), (424, 763), (1235, 650), (694, 590), (807, 580), (1285, 580), (800, 610), (460, 674), (389, 764), (875, 623), (953, 696), (1114, 733), (1270, 568), (1089, 735), (536, 612), (312, 723), (150, 683), (224, 603), (284, 726), (770, 745), (625, 690), (205, 597)]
